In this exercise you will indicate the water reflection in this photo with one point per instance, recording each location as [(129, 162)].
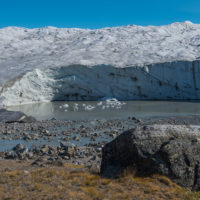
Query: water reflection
[(57, 110)]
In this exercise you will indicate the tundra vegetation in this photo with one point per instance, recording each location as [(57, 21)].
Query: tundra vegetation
[(75, 182)]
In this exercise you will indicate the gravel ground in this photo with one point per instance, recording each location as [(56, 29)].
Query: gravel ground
[(54, 142)]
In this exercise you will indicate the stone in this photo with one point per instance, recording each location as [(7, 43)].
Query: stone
[(9, 155), (14, 116), (44, 149), (70, 151), (76, 138), (134, 118), (18, 147), (22, 153), (27, 137), (170, 150), (66, 150)]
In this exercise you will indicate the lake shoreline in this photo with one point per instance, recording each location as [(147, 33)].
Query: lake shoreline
[(77, 142)]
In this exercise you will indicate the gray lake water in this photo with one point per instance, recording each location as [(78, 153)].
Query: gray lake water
[(94, 114), (105, 110)]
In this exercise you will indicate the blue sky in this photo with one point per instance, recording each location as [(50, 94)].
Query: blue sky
[(96, 13)]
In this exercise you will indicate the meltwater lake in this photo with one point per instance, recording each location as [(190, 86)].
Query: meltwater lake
[(110, 109), (90, 123)]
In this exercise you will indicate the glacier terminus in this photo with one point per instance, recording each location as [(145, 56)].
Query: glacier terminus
[(127, 63)]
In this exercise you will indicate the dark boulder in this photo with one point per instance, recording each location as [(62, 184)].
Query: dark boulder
[(170, 150), (15, 116)]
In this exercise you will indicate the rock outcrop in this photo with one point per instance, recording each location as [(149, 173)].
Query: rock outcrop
[(170, 150), (14, 116)]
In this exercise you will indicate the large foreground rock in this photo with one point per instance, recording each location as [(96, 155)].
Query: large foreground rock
[(14, 116), (171, 150)]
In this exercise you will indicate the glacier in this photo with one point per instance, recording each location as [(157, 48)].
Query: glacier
[(127, 63)]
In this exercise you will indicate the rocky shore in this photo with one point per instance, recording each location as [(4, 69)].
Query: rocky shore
[(55, 142)]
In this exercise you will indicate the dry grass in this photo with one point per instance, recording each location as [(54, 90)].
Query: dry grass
[(70, 182)]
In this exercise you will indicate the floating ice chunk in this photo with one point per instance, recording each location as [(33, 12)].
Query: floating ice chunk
[(89, 107), (75, 107), (103, 107), (109, 100), (99, 103), (65, 106), (111, 103)]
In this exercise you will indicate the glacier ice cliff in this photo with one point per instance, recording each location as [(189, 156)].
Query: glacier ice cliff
[(130, 62)]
